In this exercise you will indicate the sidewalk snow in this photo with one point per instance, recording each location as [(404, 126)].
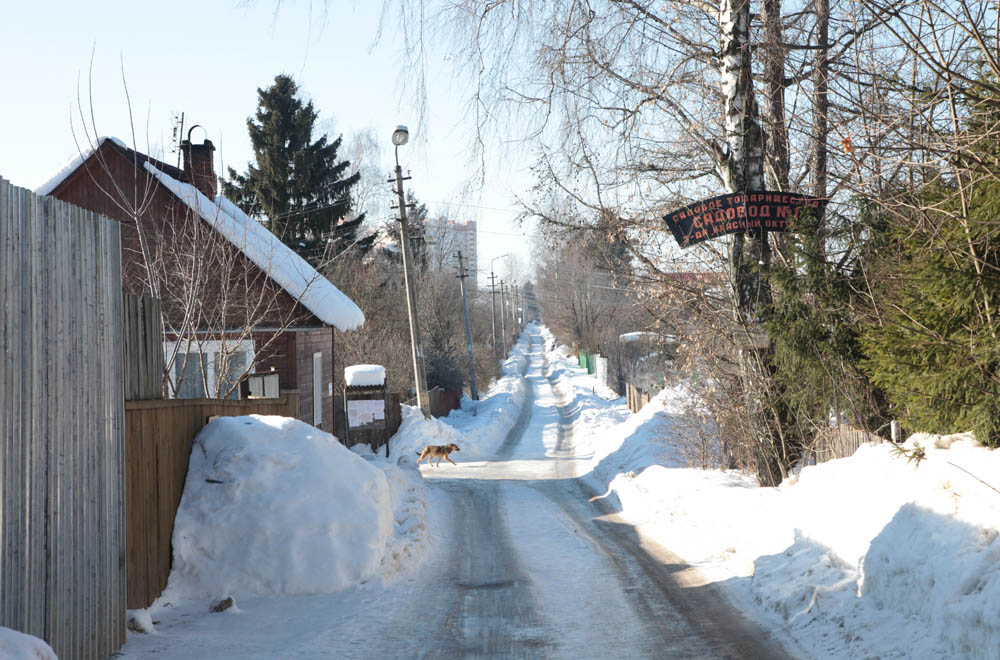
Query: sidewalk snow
[(863, 557), (16, 645)]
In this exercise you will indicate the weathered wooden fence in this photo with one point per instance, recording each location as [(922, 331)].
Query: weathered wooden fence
[(158, 437), (839, 442), (440, 401), (143, 348), (62, 526), (635, 397)]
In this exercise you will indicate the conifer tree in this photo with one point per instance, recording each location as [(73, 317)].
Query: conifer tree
[(296, 183), (816, 322), (936, 350)]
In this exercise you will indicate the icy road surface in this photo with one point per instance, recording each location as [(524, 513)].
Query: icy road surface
[(524, 562), (538, 567)]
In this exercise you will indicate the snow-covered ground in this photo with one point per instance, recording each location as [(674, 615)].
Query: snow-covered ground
[(18, 646), (870, 556), (866, 557)]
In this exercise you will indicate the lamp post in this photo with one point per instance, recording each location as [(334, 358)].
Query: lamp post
[(493, 292), (400, 137)]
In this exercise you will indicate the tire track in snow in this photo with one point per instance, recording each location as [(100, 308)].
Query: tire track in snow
[(670, 595)]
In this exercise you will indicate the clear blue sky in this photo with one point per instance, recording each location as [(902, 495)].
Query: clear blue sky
[(207, 59)]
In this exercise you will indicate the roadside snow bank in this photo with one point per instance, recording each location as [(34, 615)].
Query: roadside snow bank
[(273, 506), (480, 427), (415, 433), (16, 645), (867, 556)]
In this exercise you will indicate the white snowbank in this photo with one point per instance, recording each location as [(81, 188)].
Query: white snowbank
[(868, 556), (273, 506), (415, 433), (16, 645), (485, 423), (479, 427), (364, 375), (264, 249)]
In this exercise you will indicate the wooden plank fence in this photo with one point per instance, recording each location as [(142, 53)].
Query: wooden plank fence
[(840, 442), (635, 397), (441, 401), (143, 348), (62, 531), (158, 438)]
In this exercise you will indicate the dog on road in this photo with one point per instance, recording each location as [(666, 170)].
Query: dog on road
[(438, 451)]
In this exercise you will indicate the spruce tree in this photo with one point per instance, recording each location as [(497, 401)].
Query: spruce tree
[(296, 184), (936, 350), (816, 321)]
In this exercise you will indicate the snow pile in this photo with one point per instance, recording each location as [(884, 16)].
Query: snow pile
[(868, 556), (480, 426), (364, 375), (415, 433), (16, 645), (273, 506), (409, 540)]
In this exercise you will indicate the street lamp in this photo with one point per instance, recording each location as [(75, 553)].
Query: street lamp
[(401, 136), (493, 291)]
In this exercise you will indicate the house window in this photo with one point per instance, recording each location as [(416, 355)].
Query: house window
[(318, 390), (218, 363)]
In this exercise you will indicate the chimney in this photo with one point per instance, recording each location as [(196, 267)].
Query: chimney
[(199, 166)]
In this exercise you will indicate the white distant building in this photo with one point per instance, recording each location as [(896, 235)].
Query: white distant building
[(448, 237)]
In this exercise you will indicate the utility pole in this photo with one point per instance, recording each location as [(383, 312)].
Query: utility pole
[(513, 313), (468, 330), (400, 137), (493, 295), (503, 320)]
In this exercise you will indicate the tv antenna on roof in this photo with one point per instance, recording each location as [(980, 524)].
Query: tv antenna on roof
[(177, 134)]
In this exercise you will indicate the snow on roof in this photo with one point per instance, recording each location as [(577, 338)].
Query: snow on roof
[(637, 336), (73, 163), (364, 375), (264, 249)]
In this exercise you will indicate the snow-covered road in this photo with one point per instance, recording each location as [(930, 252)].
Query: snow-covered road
[(523, 561), (536, 566)]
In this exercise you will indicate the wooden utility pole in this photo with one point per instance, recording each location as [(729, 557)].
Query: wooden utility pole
[(493, 296), (503, 320), (468, 330), (419, 376), (513, 314)]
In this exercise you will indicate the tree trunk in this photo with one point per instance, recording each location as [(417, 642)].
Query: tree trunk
[(742, 170), (776, 150), (821, 106)]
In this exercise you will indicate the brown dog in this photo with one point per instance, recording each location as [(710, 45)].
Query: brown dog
[(440, 451)]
